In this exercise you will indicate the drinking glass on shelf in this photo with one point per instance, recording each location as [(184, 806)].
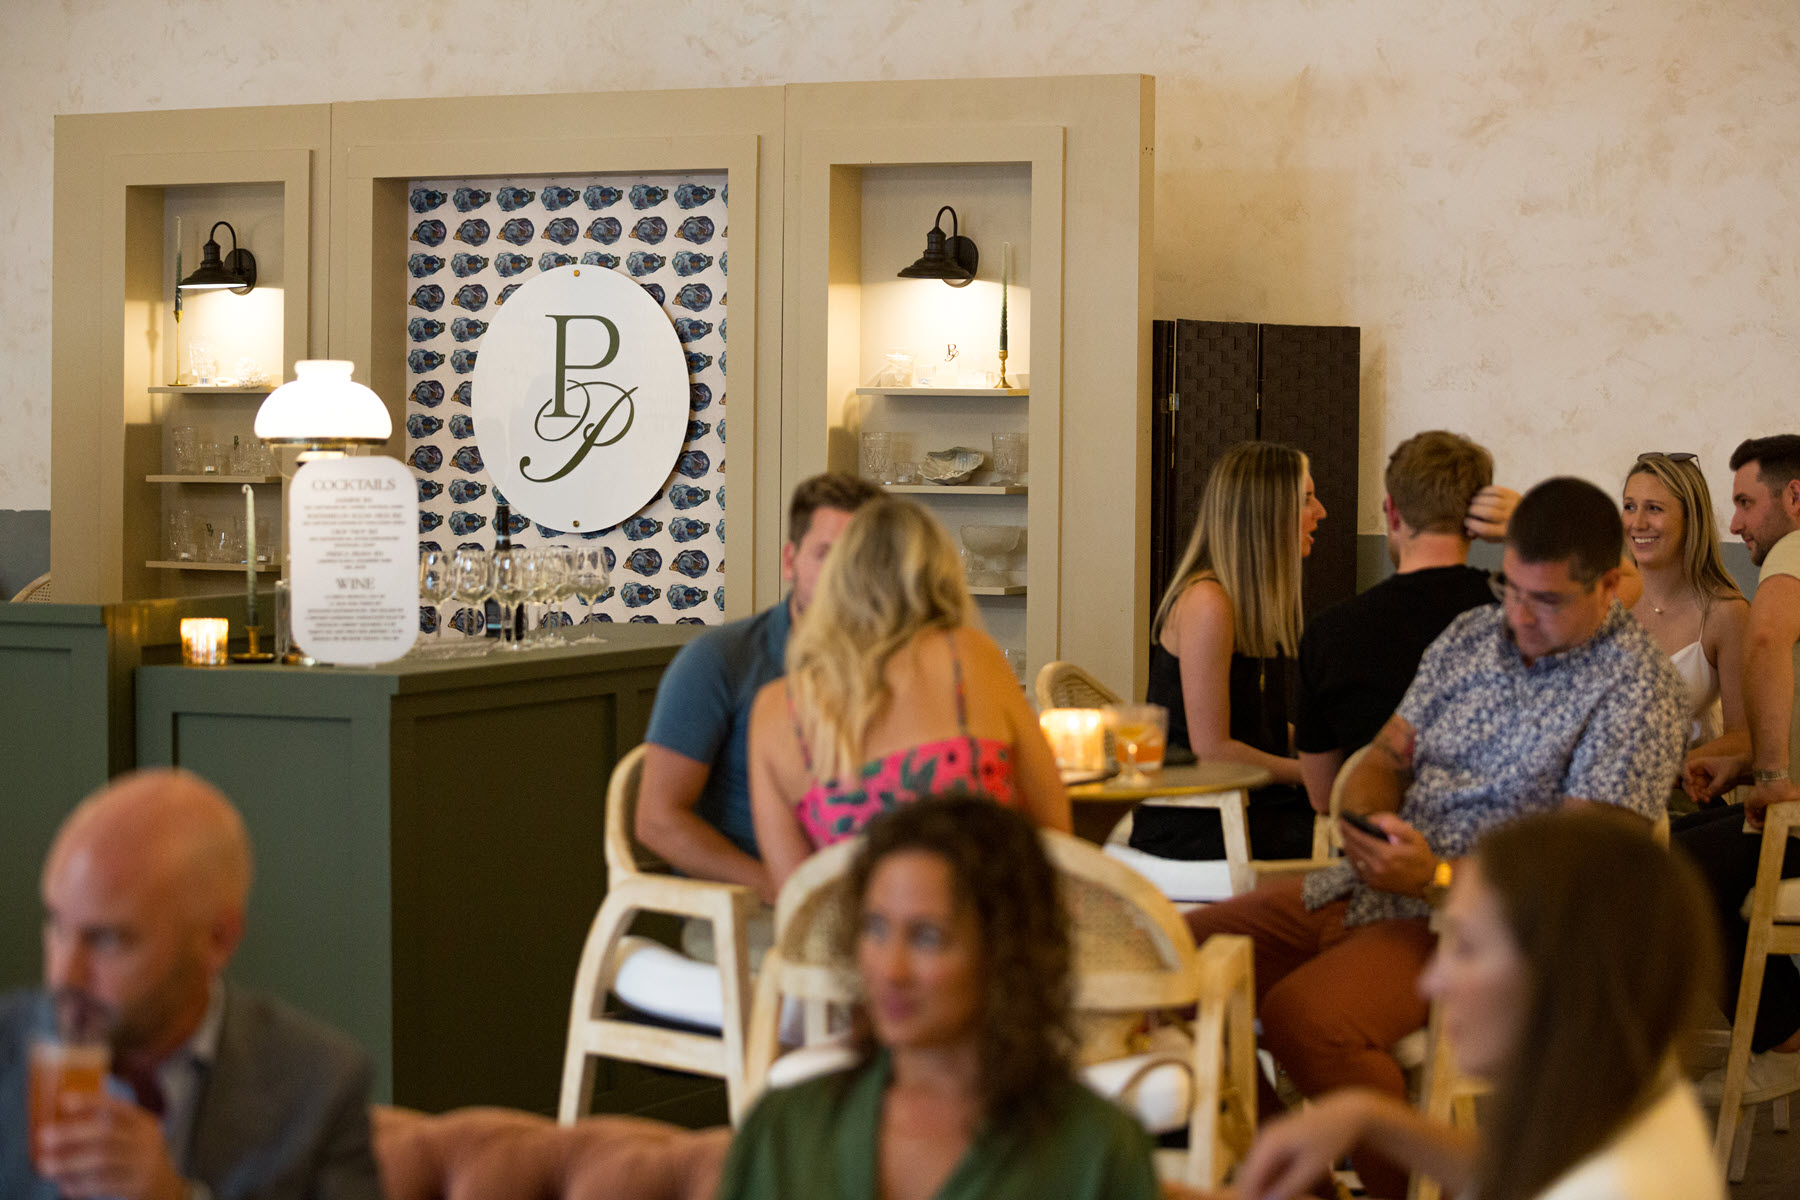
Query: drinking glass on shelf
[(512, 586), (184, 450), (215, 541), (238, 548), (1009, 458), (474, 585), (1140, 736), (181, 535), (437, 583), (202, 363), (876, 459), (590, 579)]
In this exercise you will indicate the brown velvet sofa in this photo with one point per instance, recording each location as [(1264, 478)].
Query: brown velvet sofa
[(502, 1154)]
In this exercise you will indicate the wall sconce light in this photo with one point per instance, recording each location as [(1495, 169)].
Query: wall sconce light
[(951, 259), (324, 409), (237, 272)]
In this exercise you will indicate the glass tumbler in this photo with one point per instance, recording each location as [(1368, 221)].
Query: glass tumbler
[(876, 461), (1009, 458), (181, 535), (184, 449)]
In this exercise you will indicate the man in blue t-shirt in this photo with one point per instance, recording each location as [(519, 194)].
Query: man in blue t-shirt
[(694, 801)]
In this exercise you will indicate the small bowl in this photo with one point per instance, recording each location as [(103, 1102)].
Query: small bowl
[(993, 541), (955, 465)]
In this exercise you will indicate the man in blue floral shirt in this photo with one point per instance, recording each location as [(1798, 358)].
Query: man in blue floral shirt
[(1555, 696)]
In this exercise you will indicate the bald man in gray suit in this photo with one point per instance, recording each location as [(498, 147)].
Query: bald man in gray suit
[(215, 1093)]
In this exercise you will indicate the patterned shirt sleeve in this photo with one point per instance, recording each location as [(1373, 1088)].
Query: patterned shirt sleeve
[(1630, 754)]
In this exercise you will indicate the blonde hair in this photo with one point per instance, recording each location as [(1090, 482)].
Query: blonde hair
[(893, 573), (1247, 536), (1702, 562)]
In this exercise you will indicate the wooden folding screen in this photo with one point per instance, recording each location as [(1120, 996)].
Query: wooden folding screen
[(1218, 382)]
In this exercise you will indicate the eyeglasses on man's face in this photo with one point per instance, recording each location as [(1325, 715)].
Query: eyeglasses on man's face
[(1544, 606)]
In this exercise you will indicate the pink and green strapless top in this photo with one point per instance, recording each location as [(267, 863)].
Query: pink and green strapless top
[(954, 766), (957, 766)]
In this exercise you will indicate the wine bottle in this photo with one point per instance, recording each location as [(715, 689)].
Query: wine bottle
[(502, 541)]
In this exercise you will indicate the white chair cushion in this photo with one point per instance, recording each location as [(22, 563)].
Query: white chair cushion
[(1409, 1051), (1157, 1088), (657, 980), (1179, 880), (810, 1062), (1787, 901)]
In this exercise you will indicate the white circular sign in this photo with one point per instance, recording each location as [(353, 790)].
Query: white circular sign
[(580, 398)]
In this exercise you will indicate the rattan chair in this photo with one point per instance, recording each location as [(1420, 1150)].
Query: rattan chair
[(637, 882), (1133, 954), (1065, 685), (35, 592)]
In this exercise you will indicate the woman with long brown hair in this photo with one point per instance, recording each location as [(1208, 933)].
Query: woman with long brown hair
[(1225, 633), (1576, 955)]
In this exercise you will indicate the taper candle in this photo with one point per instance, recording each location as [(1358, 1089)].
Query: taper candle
[(250, 554), (1005, 263)]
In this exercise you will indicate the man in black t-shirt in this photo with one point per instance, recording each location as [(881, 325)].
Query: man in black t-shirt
[(1358, 656)]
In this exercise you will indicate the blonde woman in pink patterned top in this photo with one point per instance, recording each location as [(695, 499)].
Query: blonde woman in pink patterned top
[(892, 695)]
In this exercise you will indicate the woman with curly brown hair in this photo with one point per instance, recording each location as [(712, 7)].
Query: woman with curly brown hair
[(964, 1086)]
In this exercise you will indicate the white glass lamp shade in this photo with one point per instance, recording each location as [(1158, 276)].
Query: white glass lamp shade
[(323, 406)]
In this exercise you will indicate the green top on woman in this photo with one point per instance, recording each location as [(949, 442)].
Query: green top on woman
[(818, 1139)]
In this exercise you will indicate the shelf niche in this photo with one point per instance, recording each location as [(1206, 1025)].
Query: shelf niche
[(879, 213)]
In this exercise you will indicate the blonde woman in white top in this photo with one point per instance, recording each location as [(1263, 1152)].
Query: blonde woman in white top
[(1690, 604)]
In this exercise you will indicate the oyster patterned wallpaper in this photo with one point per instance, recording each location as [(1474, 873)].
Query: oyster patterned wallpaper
[(473, 242), (1564, 226)]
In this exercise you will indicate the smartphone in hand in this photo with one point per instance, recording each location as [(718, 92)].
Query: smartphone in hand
[(1363, 823)]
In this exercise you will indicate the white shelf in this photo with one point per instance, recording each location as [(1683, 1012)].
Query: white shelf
[(212, 479), (956, 489), (938, 391), (1011, 589), (207, 389), (262, 568)]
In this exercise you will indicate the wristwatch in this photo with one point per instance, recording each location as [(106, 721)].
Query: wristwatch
[(1776, 776), (1439, 887)]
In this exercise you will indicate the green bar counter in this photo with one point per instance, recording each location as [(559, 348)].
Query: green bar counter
[(428, 842), (66, 727)]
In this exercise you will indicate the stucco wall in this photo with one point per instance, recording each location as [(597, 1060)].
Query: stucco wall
[(1565, 226)]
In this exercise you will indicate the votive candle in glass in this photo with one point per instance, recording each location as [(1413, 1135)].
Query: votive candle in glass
[(203, 641), (1077, 737)]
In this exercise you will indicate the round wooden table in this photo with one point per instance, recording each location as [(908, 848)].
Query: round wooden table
[(1222, 785)]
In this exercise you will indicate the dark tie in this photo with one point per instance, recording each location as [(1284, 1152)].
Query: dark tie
[(149, 1093)]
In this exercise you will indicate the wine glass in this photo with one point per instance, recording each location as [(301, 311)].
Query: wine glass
[(565, 583), (512, 586), (589, 579), (437, 581), (475, 585), (540, 584)]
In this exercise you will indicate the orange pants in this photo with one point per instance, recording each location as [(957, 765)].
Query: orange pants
[(1332, 1000)]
